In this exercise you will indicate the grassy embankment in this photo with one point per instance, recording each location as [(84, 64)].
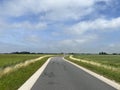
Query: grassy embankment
[(12, 59), (106, 65), (13, 80)]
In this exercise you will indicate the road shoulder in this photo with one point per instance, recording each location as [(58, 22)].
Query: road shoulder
[(107, 81), (31, 81)]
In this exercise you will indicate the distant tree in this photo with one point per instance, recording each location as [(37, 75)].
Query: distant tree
[(23, 52), (114, 53), (15, 53), (72, 53), (102, 53)]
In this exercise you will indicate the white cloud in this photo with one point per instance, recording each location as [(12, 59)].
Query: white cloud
[(32, 39), (72, 45), (111, 47), (23, 25), (81, 40), (96, 25), (54, 9)]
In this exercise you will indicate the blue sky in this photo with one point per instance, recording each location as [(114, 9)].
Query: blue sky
[(60, 26)]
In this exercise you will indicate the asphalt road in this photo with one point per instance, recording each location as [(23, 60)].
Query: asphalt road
[(61, 75)]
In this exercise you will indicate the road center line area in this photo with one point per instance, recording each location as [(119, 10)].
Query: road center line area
[(61, 75)]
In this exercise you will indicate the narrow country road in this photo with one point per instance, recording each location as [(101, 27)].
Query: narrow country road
[(61, 75)]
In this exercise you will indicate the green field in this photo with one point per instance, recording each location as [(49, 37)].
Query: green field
[(12, 81), (106, 65), (111, 60), (11, 59)]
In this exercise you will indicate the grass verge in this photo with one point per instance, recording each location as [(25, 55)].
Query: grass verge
[(15, 79), (113, 75)]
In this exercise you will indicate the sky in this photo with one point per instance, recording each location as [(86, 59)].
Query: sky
[(53, 26)]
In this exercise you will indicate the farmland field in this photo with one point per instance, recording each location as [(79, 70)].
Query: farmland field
[(15, 69), (12, 81), (11, 59), (106, 65), (111, 60)]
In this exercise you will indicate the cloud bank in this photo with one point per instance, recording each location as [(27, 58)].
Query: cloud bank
[(59, 25)]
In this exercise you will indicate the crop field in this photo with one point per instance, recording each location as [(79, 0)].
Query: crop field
[(106, 65), (109, 60), (11, 59), (15, 69)]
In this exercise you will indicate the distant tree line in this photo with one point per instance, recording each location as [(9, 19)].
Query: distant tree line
[(104, 53), (100, 53), (25, 52)]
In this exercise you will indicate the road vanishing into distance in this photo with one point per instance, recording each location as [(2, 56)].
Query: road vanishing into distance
[(61, 75)]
